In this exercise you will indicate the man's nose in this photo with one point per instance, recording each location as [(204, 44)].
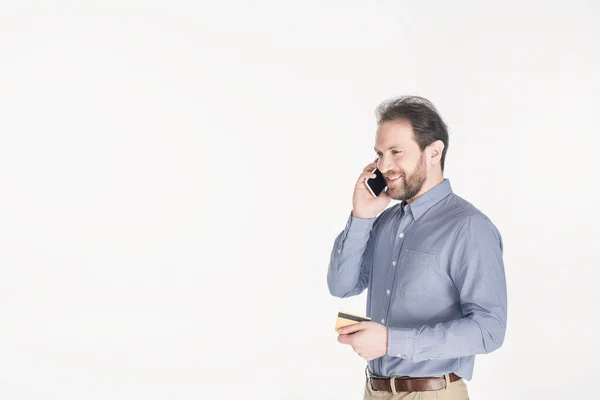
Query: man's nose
[(384, 165)]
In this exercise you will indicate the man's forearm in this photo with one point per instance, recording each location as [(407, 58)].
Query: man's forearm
[(477, 334), (348, 274)]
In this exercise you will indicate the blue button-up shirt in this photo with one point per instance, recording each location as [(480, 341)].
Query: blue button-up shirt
[(435, 277)]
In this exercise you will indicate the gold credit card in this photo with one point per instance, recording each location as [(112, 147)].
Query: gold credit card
[(345, 319)]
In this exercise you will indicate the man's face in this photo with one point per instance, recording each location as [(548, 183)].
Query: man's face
[(400, 160)]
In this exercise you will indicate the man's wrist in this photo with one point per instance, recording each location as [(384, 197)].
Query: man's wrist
[(358, 226), (401, 342), (361, 216)]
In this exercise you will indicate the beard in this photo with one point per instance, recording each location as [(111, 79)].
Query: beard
[(408, 186)]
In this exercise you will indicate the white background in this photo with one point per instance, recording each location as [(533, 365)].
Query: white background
[(173, 177)]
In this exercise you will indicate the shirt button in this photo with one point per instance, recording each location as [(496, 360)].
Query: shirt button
[(401, 235), (394, 263), (388, 292), (339, 251), (383, 321)]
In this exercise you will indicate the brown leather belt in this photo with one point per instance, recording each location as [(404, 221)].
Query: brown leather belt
[(406, 384)]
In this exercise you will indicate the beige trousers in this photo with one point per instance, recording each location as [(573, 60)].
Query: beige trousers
[(456, 390)]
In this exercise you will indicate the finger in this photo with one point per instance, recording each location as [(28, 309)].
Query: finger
[(366, 175), (350, 329), (370, 167), (345, 339)]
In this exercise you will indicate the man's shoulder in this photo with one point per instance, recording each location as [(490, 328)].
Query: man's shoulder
[(460, 210)]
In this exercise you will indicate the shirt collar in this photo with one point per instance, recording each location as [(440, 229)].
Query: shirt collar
[(428, 199)]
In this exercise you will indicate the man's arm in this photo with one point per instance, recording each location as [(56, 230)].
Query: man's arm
[(351, 258), (352, 253), (477, 270)]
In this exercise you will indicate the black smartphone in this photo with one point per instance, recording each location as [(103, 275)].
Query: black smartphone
[(377, 184)]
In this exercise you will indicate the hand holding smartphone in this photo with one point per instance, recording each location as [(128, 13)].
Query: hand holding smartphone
[(370, 197), (376, 185)]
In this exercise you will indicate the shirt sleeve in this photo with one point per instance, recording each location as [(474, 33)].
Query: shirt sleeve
[(477, 269), (351, 258)]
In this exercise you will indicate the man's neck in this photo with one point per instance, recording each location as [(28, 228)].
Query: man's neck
[(429, 183)]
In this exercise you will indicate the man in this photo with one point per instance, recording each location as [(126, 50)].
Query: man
[(432, 264)]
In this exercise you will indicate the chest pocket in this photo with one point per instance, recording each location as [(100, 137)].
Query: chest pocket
[(415, 275)]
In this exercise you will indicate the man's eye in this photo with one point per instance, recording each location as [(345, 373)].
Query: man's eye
[(396, 151)]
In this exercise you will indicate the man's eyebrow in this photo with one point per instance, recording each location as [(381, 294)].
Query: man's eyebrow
[(389, 148)]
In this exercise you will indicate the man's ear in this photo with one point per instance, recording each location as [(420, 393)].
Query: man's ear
[(434, 156)]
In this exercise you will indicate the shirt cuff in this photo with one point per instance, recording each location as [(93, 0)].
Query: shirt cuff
[(401, 342), (358, 226)]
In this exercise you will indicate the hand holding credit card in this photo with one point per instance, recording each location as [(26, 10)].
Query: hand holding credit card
[(345, 319)]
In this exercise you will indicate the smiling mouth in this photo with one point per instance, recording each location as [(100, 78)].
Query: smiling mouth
[(394, 178)]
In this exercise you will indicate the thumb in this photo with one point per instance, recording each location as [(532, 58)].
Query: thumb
[(346, 330)]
